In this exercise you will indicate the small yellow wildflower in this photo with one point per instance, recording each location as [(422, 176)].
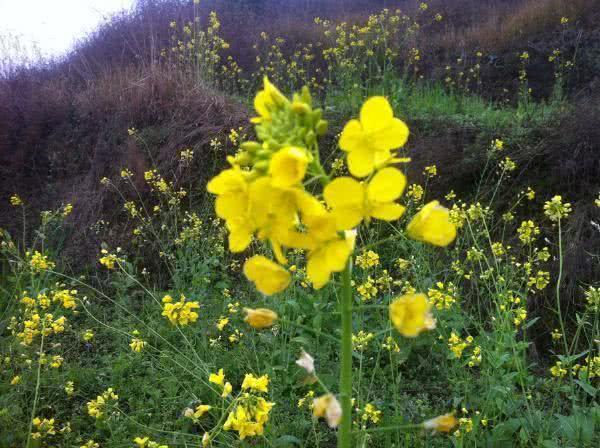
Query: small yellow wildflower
[(443, 423), (432, 225), (268, 277), (259, 384)]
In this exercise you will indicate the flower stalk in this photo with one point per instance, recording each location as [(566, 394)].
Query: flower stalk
[(345, 432)]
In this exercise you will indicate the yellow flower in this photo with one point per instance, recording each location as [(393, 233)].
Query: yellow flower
[(232, 203), (352, 201), (15, 200), (328, 252), (266, 101), (411, 314), (432, 225), (288, 166), (259, 384), (369, 140), (16, 380), (268, 277), (217, 378), (227, 388), (201, 409), (260, 317), (328, 406), (443, 423)]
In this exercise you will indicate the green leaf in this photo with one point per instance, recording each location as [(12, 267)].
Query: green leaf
[(286, 441), (588, 388)]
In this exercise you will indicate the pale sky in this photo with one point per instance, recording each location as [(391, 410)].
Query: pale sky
[(55, 25)]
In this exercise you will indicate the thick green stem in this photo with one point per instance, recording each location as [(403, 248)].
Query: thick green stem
[(345, 432)]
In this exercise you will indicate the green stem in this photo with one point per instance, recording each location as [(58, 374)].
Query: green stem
[(345, 432)]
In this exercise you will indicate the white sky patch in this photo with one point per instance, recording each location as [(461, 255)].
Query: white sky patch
[(53, 26)]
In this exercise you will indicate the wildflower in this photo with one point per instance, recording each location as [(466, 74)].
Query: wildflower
[(259, 384), (307, 362), (442, 297), (180, 313), (15, 200), (432, 225), (540, 280), (16, 380), (260, 317), (200, 410), (530, 193), (268, 277), (96, 407), (65, 297), (497, 145), (90, 444), (367, 290), (528, 231), (442, 423), (69, 388), (205, 440), (557, 370), (402, 264), (411, 314), (108, 260), (67, 209), (361, 340), (415, 191), (390, 345), (88, 335), (475, 358), (40, 262), (457, 345), (564, 20), (556, 210), (351, 201), (137, 345), (370, 412), (592, 297), (369, 140), (430, 171), (556, 335), (227, 388), (223, 321), (367, 259), (328, 407), (217, 378), (508, 165)]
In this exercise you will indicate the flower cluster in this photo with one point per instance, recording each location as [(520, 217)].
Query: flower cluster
[(97, 407), (262, 194), (180, 313)]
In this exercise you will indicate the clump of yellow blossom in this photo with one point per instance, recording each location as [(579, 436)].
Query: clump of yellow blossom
[(43, 427), (137, 345), (260, 384), (15, 200), (40, 262), (97, 407), (367, 259), (555, 209), (145, 442), (180, 313), (109, 260)]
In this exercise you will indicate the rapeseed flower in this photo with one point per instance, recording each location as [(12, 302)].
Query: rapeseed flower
[(260, 384), (328, 407), (268, 277), (352, 202), (432, 225), (260, 317), (410, 314), (370, 139), (443, 423), (288, 166)]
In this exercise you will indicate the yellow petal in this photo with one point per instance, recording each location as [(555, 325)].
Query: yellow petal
[(375, 114), (392, 136), (268, 277), (308, 204), (346, 198), (386, 186), (317, 270), (361, 161), (387, 211), (432, 225), (352, 136), (228, 206), (239, 239), (227, 181), (260, 104), (337, 253), (288, 166), (410, 314)]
